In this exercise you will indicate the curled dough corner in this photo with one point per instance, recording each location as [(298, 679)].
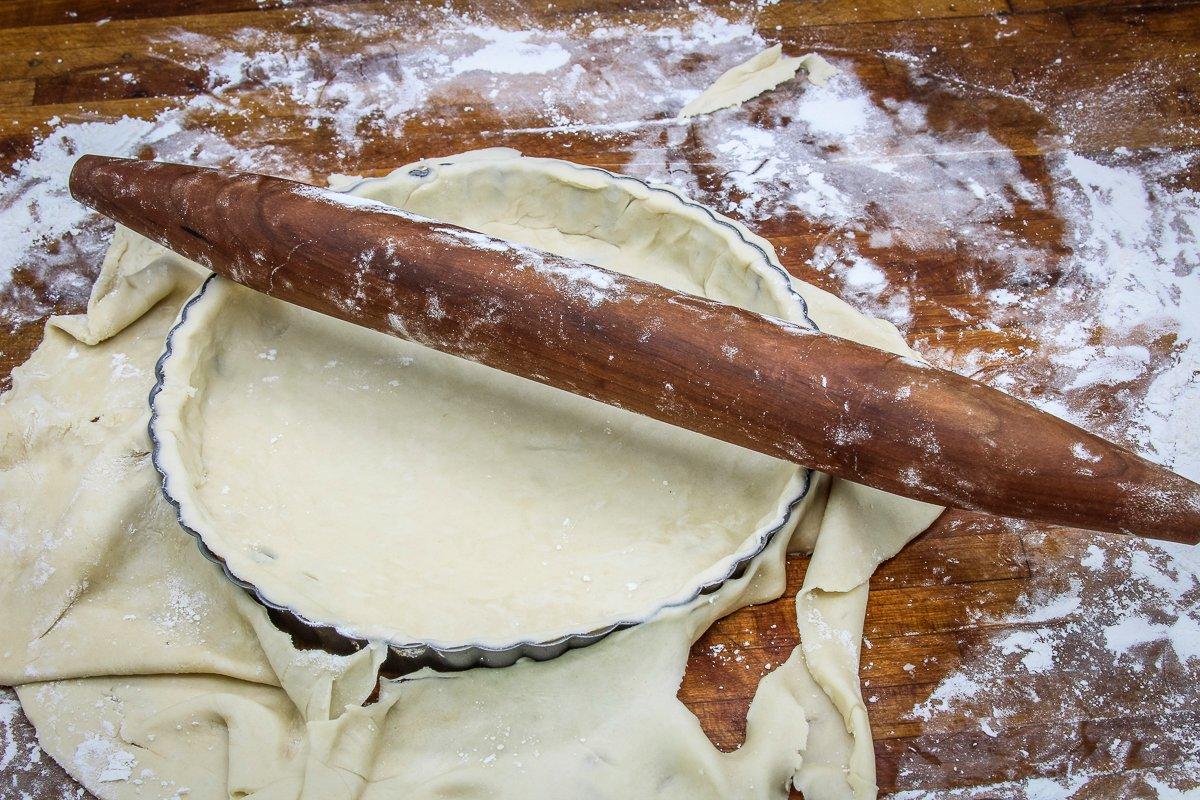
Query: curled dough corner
[(135, 275), (751, 78)]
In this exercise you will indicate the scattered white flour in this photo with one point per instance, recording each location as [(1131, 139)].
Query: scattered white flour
[(38, 211), (832, 153), (321, 660), (1132, 284), (1032, 789), (102, 761), (1118, 632), (1137, 245), (122, 369), (511, 52), (185, 606), (1035, 646), (9, 708), (383, 80), (45, 215), (1111, 615), (21, 759)]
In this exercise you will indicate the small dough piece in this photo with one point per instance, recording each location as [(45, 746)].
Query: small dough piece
[(751, 78)]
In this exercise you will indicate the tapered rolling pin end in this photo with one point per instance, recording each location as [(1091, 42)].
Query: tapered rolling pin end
[(151, 197), (98, 181), (1169, 504)]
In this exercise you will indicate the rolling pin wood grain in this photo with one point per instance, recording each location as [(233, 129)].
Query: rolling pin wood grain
[(778, 388)]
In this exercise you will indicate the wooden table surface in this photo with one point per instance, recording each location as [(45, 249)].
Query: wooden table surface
[(1031, 80)]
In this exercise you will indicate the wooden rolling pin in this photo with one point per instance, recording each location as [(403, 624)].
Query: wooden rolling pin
[(756, 381)]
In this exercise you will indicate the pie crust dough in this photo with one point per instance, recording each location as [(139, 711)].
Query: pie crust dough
[(404, 494), (148, 675)]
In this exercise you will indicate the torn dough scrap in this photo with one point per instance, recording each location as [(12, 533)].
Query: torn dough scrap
[(751, 78)]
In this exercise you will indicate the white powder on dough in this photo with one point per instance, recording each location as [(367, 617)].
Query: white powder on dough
[(185, 606), (100, 760)]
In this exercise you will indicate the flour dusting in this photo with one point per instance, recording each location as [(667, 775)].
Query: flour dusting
[(384, 78), (21, 758), (829, 152), (101, 761), (512, 53), (9, 708), (1112, 627), (1106, 311)]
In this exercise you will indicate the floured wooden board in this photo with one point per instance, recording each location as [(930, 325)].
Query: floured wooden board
[(1012, 185)]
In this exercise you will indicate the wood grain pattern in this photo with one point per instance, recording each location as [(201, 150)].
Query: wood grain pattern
[(1028, 73)]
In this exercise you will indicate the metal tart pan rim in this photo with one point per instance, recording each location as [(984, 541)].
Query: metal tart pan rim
[(406, 657)]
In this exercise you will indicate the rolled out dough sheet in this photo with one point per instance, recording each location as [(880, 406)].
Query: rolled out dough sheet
[(148, 675)]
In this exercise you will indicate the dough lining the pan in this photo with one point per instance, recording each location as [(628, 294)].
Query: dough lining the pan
[(404, 494)]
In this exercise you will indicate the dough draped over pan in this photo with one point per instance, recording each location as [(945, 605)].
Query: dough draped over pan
[(148, 675)]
